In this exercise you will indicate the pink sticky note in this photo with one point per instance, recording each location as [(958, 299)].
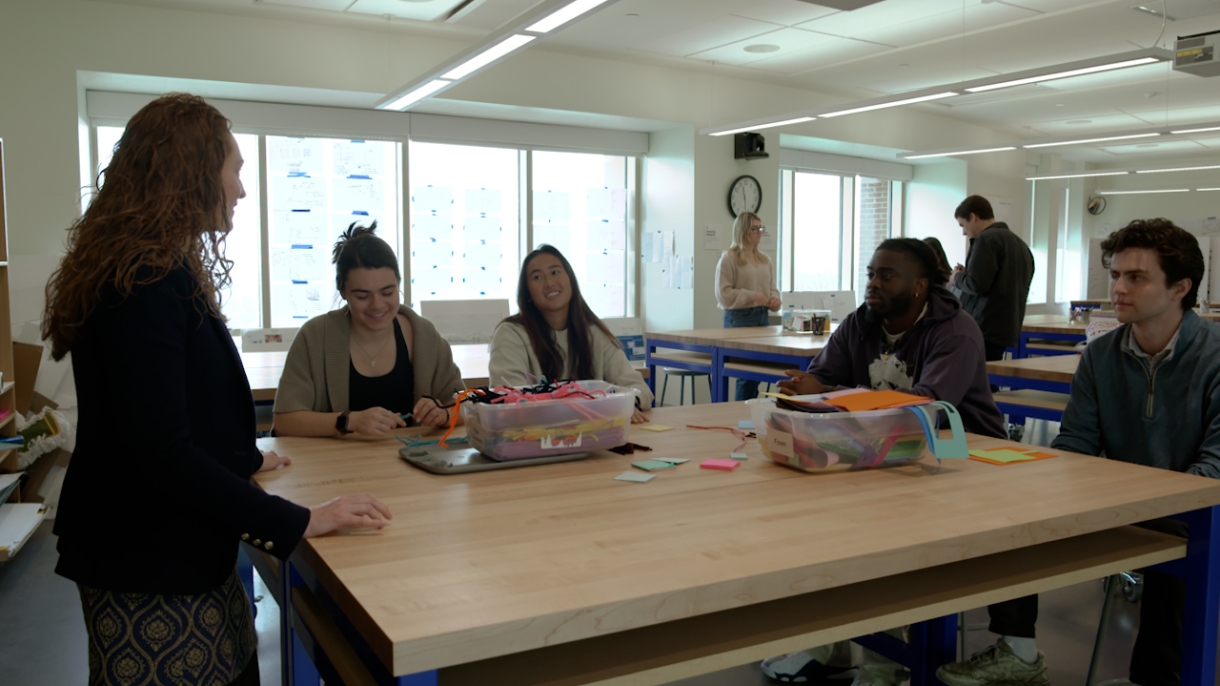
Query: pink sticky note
[(726, 465)]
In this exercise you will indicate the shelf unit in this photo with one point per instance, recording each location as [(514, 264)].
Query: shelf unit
[(17, 520)]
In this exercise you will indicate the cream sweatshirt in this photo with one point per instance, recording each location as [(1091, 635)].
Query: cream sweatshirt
[(512, 357), (737, 284)]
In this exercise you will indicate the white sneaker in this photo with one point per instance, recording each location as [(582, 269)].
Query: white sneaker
[(811, 665)]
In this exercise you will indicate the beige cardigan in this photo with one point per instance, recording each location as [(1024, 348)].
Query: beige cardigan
[(319, 362)]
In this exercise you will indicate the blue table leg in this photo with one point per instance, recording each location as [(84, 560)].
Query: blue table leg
[(245, 572), (934, 643), (1202, 575)]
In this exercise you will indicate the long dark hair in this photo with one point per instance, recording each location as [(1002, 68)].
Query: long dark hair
[(161, 208), (581, 321), (942, 260)]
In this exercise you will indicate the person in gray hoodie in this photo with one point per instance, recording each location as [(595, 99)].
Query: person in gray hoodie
[(912, 335), (1148, 393)]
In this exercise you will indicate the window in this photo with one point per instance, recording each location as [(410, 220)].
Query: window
[(465, 222), (317, 187), (580, 207), (830, 226), (241, 302)]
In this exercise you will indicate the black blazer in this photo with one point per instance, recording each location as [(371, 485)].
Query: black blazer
[(158, 491)]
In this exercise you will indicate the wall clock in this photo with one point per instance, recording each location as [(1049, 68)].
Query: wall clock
[(745, 195)]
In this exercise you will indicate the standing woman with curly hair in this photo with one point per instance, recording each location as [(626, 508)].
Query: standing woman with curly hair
[(371, 366), (158, 493)]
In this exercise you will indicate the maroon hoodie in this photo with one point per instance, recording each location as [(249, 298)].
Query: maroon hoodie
[(940, 357)]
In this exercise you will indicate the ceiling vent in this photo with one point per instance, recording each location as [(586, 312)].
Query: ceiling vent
[(844, 5)]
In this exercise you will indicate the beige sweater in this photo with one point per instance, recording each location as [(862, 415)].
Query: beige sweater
[(512, 357), (318, 367), (736, 284)]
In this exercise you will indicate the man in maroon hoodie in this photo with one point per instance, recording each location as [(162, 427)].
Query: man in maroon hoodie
[(912, 335)]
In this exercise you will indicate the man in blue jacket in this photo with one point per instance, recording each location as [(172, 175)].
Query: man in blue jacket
[(1149, 393), (912, 335)]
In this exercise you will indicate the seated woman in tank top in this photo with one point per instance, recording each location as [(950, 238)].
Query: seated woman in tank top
[(371, 366)]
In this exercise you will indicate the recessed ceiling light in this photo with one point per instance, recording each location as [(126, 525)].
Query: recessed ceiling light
[(1058, 104), (903, 66), (761, 47), (1078, 122), (1148, 145), (1154, 11)]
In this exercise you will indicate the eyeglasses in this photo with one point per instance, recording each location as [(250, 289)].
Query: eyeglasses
[(760, 229)]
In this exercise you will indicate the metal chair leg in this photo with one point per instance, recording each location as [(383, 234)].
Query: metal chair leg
[(664, 385), (1109, 585), (681, 391)]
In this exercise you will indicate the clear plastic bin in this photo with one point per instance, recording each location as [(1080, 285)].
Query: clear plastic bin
[(837, 441), (543, 428)]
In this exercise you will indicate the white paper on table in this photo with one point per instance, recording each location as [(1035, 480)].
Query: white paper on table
[(430, 253), (429, 281), (481, 229), (554, 234), (553, 207), (465, 321), (298, 193), (477, 255), (607, 234), (299, 228), (483, 201), (483, 282), (294, 155), (686, 272), (431, 227), (356, 193), (431, 199), (711, 237), (359, 158), (606, 266), (599, 203)]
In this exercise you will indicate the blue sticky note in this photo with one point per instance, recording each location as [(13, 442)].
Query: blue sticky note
[(746, 424)]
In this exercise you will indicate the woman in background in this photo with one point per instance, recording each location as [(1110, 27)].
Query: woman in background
[(159, 493), (942, 261), (555, 334), (745, 285), (370, 366)]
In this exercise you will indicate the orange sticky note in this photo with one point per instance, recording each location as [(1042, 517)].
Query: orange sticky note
[(876, 400)]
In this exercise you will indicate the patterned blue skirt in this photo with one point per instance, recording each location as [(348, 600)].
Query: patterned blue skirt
[(151, 639)]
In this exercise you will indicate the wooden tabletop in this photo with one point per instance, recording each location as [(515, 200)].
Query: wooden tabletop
[(1052, 323), (712, 337), (1053, 368), (495, 563), (792, 344)]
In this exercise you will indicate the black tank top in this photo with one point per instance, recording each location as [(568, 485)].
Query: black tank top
[(394, 391)]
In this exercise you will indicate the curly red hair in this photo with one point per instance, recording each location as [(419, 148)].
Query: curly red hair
[(161, 208)]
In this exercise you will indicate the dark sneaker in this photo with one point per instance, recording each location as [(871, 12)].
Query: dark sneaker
[(995, 666)]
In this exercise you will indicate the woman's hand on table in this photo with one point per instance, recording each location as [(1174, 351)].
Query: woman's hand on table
[(272, 460), (349, 510), (375, 421), (800, 383), (638, 417), (428, 413), (774, 304), (761, 300)]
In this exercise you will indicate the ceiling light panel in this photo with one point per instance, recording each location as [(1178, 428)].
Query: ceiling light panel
[(1064, 74), (1084, 141), (491, 54), (955, 154), (1142, 192), (564, 15), (887, 105), (1080, 175), (759, 127), (436, 10), (418, 93)]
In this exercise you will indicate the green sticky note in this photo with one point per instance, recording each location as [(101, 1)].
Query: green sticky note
[(652, 465), (746, 425), (739, 456), (672, 460), (1002, 456), (636, 477)]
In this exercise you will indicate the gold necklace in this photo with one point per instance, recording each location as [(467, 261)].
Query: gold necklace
[(373, 358)]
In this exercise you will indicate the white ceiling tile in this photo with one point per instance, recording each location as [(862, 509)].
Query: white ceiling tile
[(1049, 5), (707, 35), (945, 25), (786, 12), (879, 16), (828, 50), (789, 41), (337, 5), (432, 10)]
